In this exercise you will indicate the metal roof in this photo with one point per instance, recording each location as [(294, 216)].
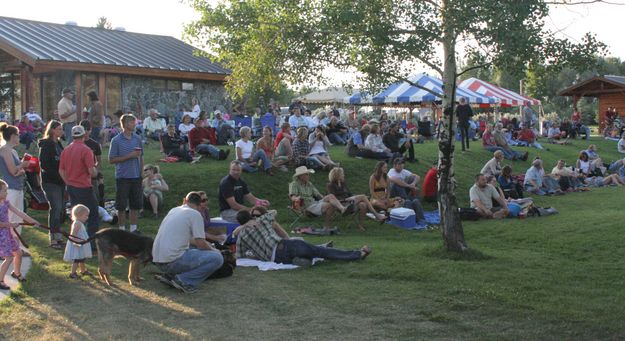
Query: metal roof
[(595, 86), (618, 79), (43, 41)]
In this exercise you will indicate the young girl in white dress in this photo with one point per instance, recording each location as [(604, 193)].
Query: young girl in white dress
[(74, 252)]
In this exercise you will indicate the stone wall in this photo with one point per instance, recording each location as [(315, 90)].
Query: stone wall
[(139, 94)]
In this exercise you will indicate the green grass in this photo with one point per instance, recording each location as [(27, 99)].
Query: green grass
[(550, 278)]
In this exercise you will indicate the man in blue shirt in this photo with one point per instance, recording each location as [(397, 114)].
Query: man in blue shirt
[(126, 154)]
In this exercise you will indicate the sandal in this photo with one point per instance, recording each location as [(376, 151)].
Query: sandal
[(3, 286), (365, 251), (19, 277), (56, 246), (86, 273)]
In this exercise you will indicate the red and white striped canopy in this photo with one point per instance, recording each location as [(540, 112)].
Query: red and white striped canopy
[(507, 98)]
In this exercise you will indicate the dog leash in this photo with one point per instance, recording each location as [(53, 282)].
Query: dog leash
[(70, 237)]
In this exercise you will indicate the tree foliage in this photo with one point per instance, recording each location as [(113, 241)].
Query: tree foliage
[(264, 42), (104, 23)]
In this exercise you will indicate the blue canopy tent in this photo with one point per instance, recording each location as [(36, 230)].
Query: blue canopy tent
[(358, 98), (404, 92)]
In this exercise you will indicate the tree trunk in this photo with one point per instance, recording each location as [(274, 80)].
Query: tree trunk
[(453, 235)]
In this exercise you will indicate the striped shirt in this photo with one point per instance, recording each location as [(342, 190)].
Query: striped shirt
[(121, 146)]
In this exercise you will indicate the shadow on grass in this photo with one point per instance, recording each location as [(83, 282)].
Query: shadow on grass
[(471, 255)]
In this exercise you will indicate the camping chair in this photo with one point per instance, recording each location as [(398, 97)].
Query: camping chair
[(269, 121)]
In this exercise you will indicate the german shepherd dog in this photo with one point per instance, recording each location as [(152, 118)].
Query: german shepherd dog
[(114, 242)]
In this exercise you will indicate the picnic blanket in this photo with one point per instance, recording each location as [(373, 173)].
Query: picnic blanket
[(431, 218), (266, 266)]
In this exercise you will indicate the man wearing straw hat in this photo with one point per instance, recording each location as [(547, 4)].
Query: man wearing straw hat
[(304, 194)]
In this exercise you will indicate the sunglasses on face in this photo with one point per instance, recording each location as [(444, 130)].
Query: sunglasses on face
[(255, 214)]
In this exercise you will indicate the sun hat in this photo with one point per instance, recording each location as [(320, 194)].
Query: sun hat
[(301, 170), (373, 121), (78, 131)]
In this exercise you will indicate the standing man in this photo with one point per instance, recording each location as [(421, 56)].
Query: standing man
[(76, 168), (233, 193), (126, 154), (184, 268), (67, 113), (96, 116), (464, 113)]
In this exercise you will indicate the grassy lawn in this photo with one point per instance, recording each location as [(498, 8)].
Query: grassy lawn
[(538, 278)]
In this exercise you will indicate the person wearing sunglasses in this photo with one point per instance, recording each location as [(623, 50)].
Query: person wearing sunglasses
[(261, 237)]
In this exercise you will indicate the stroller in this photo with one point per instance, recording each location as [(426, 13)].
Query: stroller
[(34, 197)]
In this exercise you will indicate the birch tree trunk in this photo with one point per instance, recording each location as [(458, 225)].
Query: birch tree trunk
[(453, 234)]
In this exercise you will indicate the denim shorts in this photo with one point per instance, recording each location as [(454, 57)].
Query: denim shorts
[(129, 194)]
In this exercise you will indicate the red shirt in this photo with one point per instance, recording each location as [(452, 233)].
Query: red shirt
[(488, 140), (279, 138), (430, 185), (197, 134), (76, 160), (527, 135)]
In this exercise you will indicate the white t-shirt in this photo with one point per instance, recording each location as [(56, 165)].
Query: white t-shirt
[(316, 147), (185, 128), (246, 148), (403, 175), (621, 145), (196, 111), (181, 224)]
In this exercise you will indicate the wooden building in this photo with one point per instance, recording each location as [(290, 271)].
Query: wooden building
[(128, 71), (609, 90)]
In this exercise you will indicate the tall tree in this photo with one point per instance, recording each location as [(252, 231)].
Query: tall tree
[(263, 41), (104, 23)]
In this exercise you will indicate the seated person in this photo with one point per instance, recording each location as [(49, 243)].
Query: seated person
[(319, 144), (27, 132), (528, 137), (430, 184), (185, 127), (153, 187), (404, 185), (568, 179), (398, 143), (337, 186), (212, 235), (593, 178), (595, 161), (620, 146), (301, 151), (375, 144), (261, 237), (510, 187), (233, 192), (225, 132), (284, 141), (303, 193), (266, 144), (535, 180), (153, 126), (566, 128), (500, 140), (493, 166), (482, 195), (173, 145), (554, 135), (184, 268), (202, 141), (337, 132), (249, 156), (380, 189)]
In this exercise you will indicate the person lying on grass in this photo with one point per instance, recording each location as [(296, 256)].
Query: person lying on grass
[(261, 237), (304, 194), (482, 195)]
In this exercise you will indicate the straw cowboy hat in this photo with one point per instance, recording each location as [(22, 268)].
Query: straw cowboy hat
[(301, 170)]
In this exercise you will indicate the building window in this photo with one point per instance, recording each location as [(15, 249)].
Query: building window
[(159, 84), (187, 86), (113, 94), (173, 85)]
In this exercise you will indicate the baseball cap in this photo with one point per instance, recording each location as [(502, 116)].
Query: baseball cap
[(78, 131)]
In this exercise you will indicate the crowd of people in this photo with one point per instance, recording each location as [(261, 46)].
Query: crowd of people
[(182, 248)]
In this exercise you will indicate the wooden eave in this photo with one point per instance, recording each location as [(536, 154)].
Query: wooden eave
[(593, 87)]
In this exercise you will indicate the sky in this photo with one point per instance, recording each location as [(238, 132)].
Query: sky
[(167, 17)]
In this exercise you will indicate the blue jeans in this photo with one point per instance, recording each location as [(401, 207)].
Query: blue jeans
[(288, 249), (410, 201), (534, 190), (508, 154), (55, 194), (27, 138), (206, 148), (337, 138), (95, 134), (313, 162), (194, 266), (67, 130), (259, 155), (86, 196)]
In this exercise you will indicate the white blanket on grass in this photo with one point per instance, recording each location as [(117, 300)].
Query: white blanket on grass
[(266, 266)]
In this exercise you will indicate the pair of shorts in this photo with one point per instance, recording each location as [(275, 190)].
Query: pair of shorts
[(316, 208), (129, 194)]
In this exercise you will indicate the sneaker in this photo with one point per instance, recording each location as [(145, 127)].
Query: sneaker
[(165, 279), (73, 275), (187, 289), (283, 168), (303, 262), (196, 159)]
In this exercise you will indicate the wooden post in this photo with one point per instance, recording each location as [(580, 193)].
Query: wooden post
[(78, 96), (102, 91), (26, 91)]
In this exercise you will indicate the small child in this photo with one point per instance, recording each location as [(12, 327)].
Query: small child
[(9, 245), (74, 252)]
